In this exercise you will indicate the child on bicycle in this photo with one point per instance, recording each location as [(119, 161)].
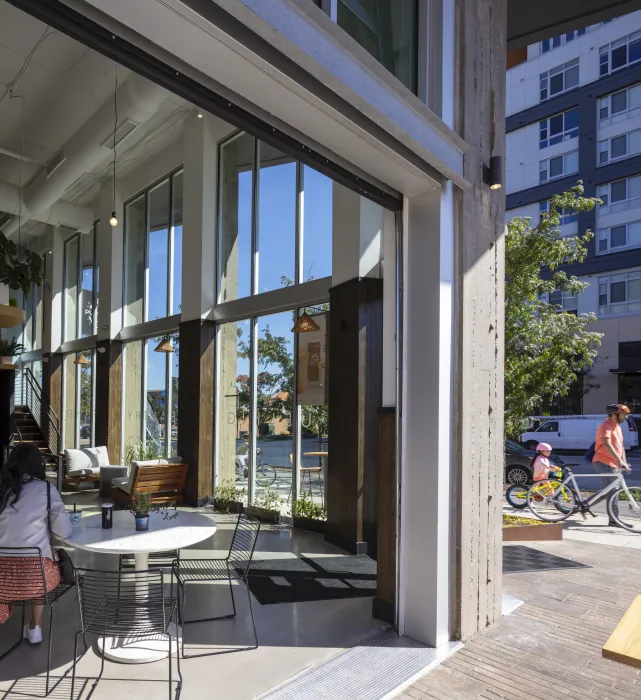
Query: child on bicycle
[(540, 464)]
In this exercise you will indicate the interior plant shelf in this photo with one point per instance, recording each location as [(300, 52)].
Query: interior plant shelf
[(4, 367), (10, 316)]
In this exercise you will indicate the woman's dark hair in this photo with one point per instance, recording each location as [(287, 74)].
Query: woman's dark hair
[(24, 464)]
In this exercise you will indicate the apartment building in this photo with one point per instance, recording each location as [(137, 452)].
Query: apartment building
[(574, 113)]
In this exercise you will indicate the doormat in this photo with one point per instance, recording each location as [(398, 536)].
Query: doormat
[(303, 579), (517, 559)]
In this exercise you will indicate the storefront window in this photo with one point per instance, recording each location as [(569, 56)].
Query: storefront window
[(135, 214), (80, 283), (316, 230), (72, 251), (388, 30), (177, 242), (78, 397)]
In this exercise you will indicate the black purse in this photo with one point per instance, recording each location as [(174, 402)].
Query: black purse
[(61, 557)]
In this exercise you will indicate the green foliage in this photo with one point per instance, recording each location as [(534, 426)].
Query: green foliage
[(545, 348), (11, 348), (141, 504), (137, 451), (226, 493), (19, 271), (13, 302), (269, 500), (304, 507), (635, 492)]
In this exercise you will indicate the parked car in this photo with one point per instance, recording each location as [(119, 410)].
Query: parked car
[(517, 463), (574, 432)]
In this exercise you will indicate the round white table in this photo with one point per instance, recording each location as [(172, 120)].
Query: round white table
[(163, 535)]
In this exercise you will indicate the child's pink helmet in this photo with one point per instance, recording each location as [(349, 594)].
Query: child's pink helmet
[(543, 447)]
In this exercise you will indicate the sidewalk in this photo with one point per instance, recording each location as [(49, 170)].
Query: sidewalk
[(550, 648)]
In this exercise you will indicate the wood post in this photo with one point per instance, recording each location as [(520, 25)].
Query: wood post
[(109, 397)]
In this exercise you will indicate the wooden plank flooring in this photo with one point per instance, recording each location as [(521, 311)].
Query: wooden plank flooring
[(550, 648)]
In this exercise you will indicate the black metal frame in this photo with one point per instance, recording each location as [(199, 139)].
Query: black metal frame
[(233, 573), (49, 599)]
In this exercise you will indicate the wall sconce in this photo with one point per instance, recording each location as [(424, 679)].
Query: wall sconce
[(101, 349), (493, 176)]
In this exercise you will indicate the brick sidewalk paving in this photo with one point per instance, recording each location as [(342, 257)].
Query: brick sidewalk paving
[(550, 648)]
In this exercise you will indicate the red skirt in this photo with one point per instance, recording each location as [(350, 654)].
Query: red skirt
[(21, 579)]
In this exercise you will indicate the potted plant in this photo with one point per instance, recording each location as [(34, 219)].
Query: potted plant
[(517, 528), (141, 506), (8, 350), (228, 498), (308, 515), (19, 269), (266, 507)]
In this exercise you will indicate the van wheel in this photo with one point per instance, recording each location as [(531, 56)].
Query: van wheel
[(517, 475), (531, 445)]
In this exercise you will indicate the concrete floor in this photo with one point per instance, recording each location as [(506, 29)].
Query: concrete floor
[(292, 637)]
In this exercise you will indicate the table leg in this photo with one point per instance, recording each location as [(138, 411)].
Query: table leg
[(138, 650)]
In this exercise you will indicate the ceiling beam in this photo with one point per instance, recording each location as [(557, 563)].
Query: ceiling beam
[(529, 22)]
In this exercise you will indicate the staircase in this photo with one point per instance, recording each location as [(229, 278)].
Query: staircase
[(27, 430)]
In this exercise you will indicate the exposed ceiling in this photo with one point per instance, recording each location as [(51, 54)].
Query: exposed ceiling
[(50, 86)]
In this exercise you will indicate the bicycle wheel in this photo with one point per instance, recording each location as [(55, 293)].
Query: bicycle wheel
[(265, 475), (550, 501), (629, 515), (516, 496)]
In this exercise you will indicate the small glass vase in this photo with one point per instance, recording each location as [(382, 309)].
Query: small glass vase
[(142, 523)]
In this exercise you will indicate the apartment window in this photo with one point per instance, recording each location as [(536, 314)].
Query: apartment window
[(619, 106), (388, 30), (620, 195), (566, 217), (620, 53), (620, 147), (80, 297), (153, 252), (556, 41), (559, 128), (564, 301), (559, 166), (621, 237), (559, 79), (620, 293)]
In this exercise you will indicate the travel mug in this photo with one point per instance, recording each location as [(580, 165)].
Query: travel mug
[(76, 517), (107, 516)]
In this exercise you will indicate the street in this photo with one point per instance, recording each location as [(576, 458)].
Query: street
[(580, 466)]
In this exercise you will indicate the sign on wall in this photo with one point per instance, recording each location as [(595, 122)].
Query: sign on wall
[(312, 367)]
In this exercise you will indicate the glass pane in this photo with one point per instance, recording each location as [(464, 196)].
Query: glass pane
[(617, 292), (618, 147), (71, 289), (634, 187), (135, 227), (634, 142), (276, 219), (618, 190), (232, 406), (27, 333), (572, 119), (86, 293), (96, 281), (86, 402), (387, 29), (603, 114), (173, 358), (619, 102), (70, 390), (634, 290), (571, 77), (556, 166), (556, 124), (39, 291), (275, 394), (156, 399), (619, 57), (234, 276), (634, 233), (158, 252), (617, 236), (545, 45), (132, 395), (177, 213), (556, 84), (634, 51), (317, 225), (571, 162), (634, 96)]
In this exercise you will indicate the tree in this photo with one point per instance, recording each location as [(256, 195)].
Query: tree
[(545, 347)]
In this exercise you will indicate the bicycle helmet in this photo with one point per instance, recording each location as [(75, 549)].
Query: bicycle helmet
[(543, 447), (617, 408)]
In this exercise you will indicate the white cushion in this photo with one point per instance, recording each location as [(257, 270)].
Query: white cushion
[(86, 471), (98, 453), (121, 482), (87, 458)]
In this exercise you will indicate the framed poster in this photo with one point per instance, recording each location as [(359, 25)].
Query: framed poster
[(312, 367)]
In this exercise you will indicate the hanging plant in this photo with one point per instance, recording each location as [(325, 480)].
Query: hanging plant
[(19, 273)]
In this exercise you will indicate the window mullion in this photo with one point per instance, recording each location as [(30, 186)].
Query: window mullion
[(255, 222), (300, 231), (170, 249), (168, 403), (145, 293), (143, 398), (253, 407)]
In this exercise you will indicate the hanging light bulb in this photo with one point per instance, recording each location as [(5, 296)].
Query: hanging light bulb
[(114, 219), (200, 115)]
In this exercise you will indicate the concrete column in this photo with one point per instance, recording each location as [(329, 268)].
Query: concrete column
[(53, 321), (196, 336), (427, 417)]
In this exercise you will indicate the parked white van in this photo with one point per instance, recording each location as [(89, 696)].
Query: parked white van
[(573, 432)]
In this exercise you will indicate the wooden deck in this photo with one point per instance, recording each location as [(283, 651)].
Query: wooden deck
[(550, 648)]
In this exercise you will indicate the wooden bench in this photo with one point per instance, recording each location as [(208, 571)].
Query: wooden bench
[(624, 644), (165, 482), (75, 481)]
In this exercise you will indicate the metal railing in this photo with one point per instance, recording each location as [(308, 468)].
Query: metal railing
[(40, 408)]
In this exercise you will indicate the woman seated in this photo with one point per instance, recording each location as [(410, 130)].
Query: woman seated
[(24, 523)]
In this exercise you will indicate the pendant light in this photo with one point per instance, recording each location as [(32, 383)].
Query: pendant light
[(305, 324), (164, 345), (82, 360), (114, 219)]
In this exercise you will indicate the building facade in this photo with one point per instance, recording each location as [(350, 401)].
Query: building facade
[(574, 113)]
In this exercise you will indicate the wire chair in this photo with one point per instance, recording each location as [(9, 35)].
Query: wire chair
[(29, 580), (157, 560), (233, 567), (130, 604)]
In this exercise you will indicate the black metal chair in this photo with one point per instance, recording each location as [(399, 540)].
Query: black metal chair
[(131, 604), (157, 560), (233, 567), (30, 579)]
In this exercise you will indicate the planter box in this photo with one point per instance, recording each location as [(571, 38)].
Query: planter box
[(265, 516), (310, 524), (229, 506), (533, 533)]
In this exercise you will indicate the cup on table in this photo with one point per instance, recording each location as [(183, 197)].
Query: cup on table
[(76, 519)]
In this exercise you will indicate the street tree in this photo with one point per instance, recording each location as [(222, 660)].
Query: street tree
[(546, 348)]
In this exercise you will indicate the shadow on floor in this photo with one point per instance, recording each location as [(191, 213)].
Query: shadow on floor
[(518, 558)]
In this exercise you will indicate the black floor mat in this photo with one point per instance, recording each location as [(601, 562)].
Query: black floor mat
[(312, 578), (518, 558)]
